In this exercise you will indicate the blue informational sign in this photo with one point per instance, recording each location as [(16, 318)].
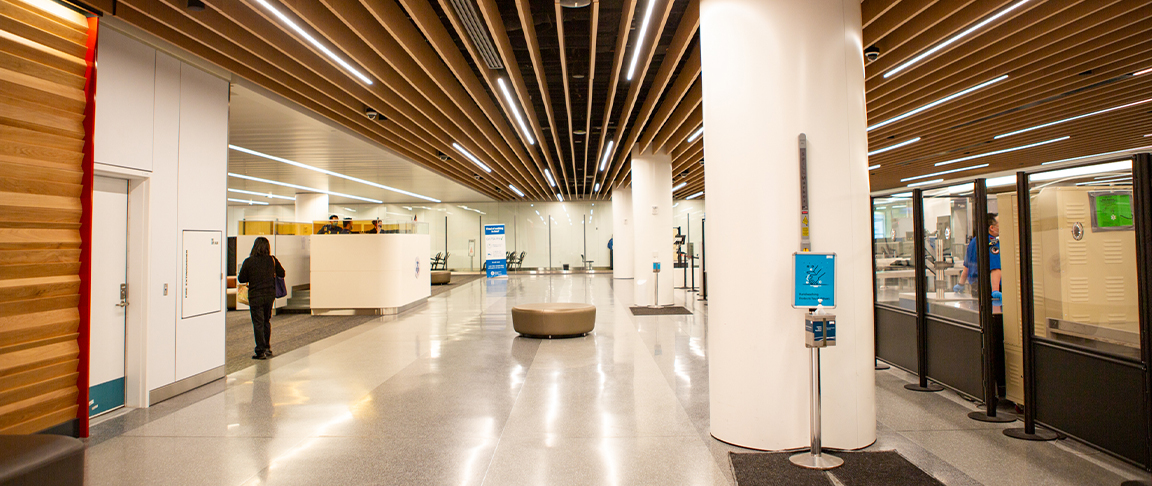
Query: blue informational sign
[(495, 258), (655, 266), (814, 280)]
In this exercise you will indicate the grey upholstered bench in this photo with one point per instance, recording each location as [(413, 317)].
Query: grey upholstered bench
[(441, 277), (554, 319), (41, 459)]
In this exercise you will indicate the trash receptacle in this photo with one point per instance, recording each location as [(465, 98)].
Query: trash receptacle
[(566, 266)]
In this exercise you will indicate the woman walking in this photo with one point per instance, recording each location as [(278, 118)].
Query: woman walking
[(259, 271)]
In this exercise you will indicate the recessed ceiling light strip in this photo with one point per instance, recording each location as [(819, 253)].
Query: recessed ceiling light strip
[(470, 157), (328, 172), (515, 111), (304, 188), (694, 196), (548, 174), (596, 187), (517, 191), (962, 169), (953, 39), (248, 202), (558, 196), (331, 55), (679, 186), (873, 167), (697, 134), (939, 101), (893, 147), (925, 183), (261, 194), (1146, 71), (640, 39), (1077, 117), (970, 157), (607, 153)]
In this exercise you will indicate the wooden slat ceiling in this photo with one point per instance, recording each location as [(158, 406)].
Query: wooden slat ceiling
[(566, 69)]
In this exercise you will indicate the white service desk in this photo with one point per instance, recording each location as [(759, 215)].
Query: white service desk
[(369, 274)]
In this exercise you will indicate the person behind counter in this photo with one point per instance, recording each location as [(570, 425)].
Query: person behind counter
[(969, 274), (375, 228), (332, 228), (259, 271), (348, 227)]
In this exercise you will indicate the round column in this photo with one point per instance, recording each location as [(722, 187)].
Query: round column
[(652, 233), (774, 69), (622, 232)]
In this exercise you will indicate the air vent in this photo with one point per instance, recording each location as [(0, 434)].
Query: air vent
[(478, 32)]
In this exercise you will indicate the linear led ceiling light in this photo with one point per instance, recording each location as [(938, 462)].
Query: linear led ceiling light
[(694, 196), (548, 174), (517, 191), (1081, 171), (640, 39), (558, 196), (515, 111), (679, 186), (696, 135), (1077, 117), (304, 188), (962, 169), (328, 172), (925, 183), (1146, 71), (939, 101), (331, 55), (261, 194), (1013, 149), (604, 159), (248, 202), (953, 39), (893, 147), (873, 167), (470, 157), (596, 187)]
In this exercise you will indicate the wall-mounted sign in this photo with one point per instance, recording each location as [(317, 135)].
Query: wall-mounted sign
[(814, 280)]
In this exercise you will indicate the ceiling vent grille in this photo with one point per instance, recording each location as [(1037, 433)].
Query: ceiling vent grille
[(466, 10)]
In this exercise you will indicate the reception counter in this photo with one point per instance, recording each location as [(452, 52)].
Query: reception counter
[(369, 274)]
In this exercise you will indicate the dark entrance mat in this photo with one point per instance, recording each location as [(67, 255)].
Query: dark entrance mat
[(457, 280), (660, 311), (880, 468)]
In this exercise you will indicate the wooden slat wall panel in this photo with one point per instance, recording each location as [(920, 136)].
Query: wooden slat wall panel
[(42, 135)]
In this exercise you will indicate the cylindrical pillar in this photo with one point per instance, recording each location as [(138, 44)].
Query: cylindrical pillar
[(652, 233), (774, 69), (311, 207), (622, 233)]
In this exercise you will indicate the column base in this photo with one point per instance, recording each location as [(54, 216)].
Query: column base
[(821, 462)]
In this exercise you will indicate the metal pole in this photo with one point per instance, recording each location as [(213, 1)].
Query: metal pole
[(1142, 218), (549, 241), (879, 365), (703, 263), (1027, 314), (815, 458), (921, 297), (984, 284)]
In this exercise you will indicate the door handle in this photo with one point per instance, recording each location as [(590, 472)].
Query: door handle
[(122, 304)]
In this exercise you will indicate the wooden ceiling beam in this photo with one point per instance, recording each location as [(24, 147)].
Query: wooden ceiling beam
[(687, 106), (626, 14), (499, 32), (686, 32), (594, 40), (524, 11), (578, 186), (393, 18), (894, 17), (688, 77), (870, 10), (690, 116), (929, 17), (685, 145)]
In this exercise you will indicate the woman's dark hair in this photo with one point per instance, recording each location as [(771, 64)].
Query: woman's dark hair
[(261, 247)]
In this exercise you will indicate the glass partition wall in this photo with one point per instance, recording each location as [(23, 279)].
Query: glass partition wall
[(1087, 362)]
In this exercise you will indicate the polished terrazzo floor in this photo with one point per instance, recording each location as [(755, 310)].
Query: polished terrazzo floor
[(447, 394)]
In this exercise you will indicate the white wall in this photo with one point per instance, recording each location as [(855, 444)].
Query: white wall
[(169, 121)]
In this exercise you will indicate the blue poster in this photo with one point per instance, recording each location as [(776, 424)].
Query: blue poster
[(495, 259), (814, 282)]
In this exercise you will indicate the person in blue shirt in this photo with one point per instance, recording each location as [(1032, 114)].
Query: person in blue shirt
[(970, 273)]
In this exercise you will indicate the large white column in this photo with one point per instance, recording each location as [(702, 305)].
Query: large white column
[(652, 234), (622, 226), (311, 207), (774, 69)]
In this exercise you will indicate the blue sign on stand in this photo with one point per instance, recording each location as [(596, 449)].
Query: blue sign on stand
[(814, 281), (496, 264)]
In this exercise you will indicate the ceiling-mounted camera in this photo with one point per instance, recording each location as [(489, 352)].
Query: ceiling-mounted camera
[(371, 113), (477, 177), (871, 53), (442, 156)]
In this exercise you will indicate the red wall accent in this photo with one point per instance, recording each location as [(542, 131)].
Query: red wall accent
[(86, 227)]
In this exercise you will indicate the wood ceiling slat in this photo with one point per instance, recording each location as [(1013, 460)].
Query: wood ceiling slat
[(1033, 42), (628, 10), (940, 32), (435, 32), (388, 14), (289, 87), (682, 121), (927, 19), (684, 146), (684, 104), (524, 11), (359, 36), (594, 37), (870, 10), (634, 93), (495, 23), (685, 79), (893, 18)]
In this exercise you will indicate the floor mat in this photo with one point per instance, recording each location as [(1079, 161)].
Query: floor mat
[(879, 468), (289, 331), (457, 280), (660, 311)]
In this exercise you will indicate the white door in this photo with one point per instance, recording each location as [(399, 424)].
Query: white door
[(109, 294)]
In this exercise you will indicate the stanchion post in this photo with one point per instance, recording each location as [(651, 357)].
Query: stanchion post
[(1027, 314), (984, 284), (1142, 217), (921, 297)]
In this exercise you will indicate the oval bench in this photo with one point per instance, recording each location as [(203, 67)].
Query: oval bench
[(441, 277), (549, 320)]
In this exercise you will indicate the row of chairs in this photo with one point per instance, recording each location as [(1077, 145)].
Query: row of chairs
[(515, 261), (440, 261)]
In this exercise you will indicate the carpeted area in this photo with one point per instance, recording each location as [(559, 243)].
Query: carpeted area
[(878, 468), (660, 311), (289, 331), (457, 280)]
